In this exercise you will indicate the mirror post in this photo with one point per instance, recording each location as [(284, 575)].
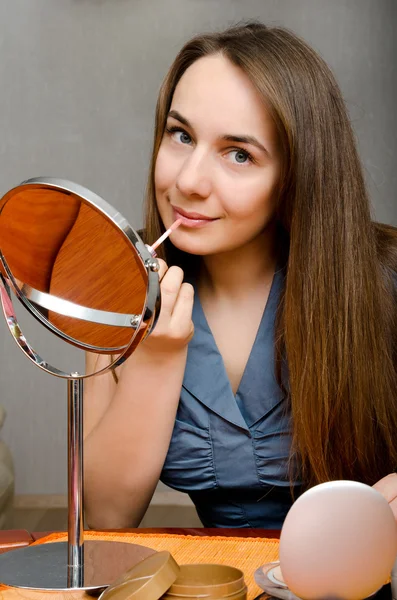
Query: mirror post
[(75, 483)]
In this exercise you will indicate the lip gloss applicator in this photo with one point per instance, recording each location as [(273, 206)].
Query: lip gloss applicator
[(152, 248)]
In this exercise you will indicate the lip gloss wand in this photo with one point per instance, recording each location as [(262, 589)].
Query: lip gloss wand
[(152, 248)]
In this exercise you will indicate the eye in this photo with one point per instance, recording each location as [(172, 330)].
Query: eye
[(179, 135), (240, 156)]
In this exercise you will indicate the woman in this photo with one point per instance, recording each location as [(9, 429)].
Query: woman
[(290, 376)]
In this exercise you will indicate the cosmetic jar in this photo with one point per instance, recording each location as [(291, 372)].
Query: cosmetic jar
[(160, 577), (207, 581)]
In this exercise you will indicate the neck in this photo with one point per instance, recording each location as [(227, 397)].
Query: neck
[(235, 272)]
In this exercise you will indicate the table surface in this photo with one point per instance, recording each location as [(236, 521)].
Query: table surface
[(17, 538), (12, 539)]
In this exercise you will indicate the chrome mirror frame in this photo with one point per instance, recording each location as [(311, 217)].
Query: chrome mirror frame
[(33, 300)]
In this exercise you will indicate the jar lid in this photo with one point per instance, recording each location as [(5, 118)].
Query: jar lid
[(148, 580), (207, 580)]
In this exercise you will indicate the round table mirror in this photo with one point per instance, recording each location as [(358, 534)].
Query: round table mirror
[(76, 266)]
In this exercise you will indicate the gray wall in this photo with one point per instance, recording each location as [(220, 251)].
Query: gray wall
[(79, 80)]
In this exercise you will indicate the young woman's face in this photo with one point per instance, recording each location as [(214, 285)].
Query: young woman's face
[(218, 165)]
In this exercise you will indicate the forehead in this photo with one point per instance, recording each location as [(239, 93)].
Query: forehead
[(215, 94)]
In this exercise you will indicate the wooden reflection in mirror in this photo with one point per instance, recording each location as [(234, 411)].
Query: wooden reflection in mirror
[(33, 226), (58, 244)]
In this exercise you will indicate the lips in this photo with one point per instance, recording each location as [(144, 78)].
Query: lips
[(192, 219)]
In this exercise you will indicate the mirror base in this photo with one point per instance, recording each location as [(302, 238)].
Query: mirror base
[(44, 566)]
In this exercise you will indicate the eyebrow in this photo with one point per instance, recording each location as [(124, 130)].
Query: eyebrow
[(242, 139)]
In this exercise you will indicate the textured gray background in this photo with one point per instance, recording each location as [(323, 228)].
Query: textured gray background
[(79, 80)]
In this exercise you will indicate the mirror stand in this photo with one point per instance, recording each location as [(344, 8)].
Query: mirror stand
[(77, 266), (75, 564)]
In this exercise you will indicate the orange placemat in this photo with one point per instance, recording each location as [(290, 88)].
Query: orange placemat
[(246, 554)]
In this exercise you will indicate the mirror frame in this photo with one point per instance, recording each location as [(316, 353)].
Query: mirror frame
[(151, 307)]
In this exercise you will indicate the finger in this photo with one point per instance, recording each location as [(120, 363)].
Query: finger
[(170, 287), (163, 268), (181, 319), (393, 506), (387, 486)]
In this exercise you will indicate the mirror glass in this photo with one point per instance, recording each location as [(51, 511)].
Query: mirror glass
[(73, 266)]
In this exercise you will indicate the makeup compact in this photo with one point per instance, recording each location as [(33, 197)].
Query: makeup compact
[(159, 576), (339, 540), (270, 579)]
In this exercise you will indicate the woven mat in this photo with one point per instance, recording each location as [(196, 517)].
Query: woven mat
[(246, 554)]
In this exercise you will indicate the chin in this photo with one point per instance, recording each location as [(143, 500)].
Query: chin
[(195, 250), (200, 248)]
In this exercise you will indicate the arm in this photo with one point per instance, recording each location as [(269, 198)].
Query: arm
[(128, 425)]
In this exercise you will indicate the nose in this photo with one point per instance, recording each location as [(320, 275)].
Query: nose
[(194, 177)]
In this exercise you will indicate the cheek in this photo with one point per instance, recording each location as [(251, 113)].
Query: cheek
[(165, 170), (159, 172), (252, 197)]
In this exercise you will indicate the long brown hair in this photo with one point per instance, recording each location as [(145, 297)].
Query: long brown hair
[(337, 321)]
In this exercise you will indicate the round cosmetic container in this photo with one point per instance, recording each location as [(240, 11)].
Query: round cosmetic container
[(207, 581), (160, 577)]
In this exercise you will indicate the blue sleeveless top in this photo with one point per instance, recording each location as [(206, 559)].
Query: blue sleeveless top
[(230, 452)]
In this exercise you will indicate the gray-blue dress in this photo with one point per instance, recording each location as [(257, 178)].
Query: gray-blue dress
[(230, 453)]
